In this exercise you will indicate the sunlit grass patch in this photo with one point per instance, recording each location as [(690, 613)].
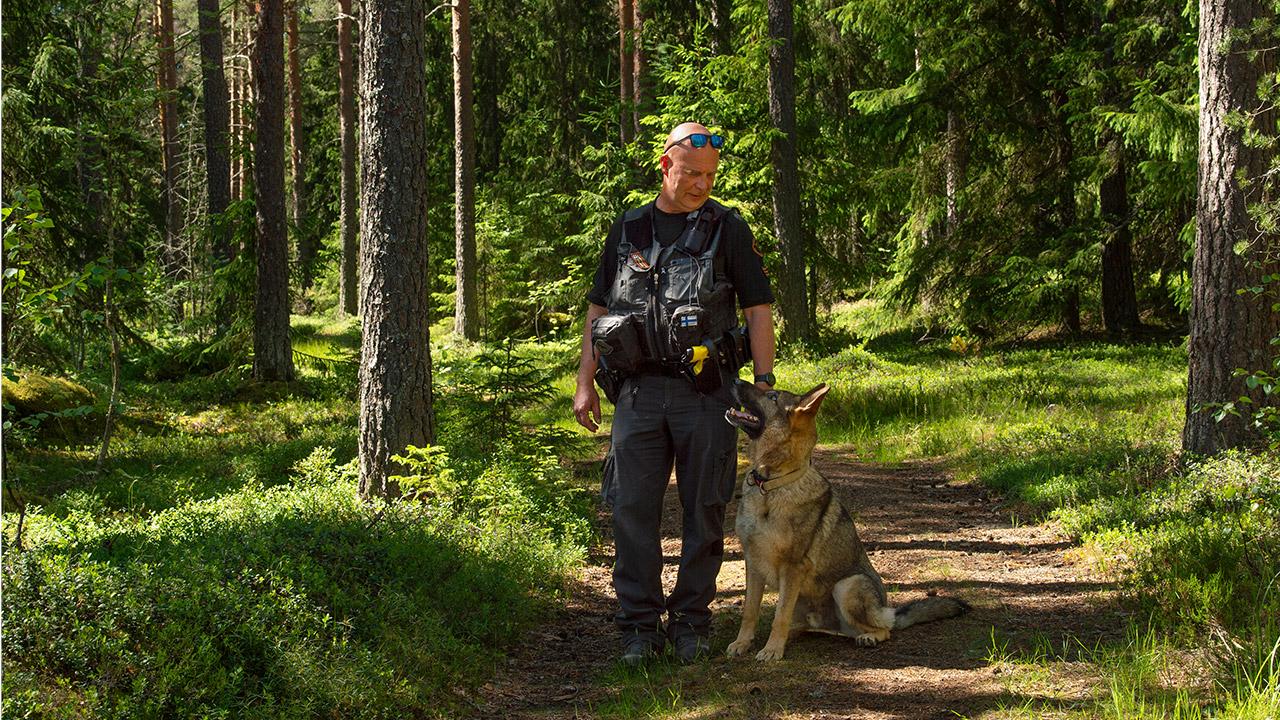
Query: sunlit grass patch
[(651, 691)]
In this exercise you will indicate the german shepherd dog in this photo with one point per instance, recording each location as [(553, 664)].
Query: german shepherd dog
[(798, 538)]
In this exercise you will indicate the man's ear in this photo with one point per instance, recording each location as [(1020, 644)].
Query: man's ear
[(665, 163), (811, 400)]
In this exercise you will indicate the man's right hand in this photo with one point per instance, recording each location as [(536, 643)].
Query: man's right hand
[(586, 407)]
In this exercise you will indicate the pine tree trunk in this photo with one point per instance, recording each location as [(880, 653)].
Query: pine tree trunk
[(492, 78), (245, 139), (1067, 214), (956, 161), (721, 27), (216, 128), (466, 316), (348, 280), (236, 134), (272, 355), (1229, 330), (306, 242), (1119, 298), (786, 177), (1066, 201), (167, 89), (626, 64), (640, 64), (395, 352)]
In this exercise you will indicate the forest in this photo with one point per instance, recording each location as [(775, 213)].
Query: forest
[(294, 293)]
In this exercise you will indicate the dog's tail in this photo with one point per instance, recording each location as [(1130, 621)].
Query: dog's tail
[(927, 610)]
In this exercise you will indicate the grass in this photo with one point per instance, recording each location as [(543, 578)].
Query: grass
[(1144, 676)]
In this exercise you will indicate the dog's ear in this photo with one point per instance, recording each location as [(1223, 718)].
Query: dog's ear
[(810, 401)]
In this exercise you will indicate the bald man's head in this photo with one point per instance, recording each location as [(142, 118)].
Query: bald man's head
[(682, 131), (688, 173)]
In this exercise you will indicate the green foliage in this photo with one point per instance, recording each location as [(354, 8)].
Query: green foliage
[(78, 102), (497, 464), (223, 564), (299, 600), (1203, 543), (39, 305)]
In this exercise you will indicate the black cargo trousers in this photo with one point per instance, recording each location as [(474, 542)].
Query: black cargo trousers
[(660, 420)]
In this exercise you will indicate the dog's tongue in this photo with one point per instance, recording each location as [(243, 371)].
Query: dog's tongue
[(734, 416)]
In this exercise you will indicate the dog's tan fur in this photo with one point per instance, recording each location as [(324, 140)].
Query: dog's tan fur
[(797, 538)]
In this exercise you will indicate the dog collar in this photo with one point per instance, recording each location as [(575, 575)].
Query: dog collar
[(767, 484)]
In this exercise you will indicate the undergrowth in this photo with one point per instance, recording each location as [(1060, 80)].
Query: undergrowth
[(222, 564)]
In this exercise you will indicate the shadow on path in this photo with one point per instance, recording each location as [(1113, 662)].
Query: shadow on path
[(924, 534)]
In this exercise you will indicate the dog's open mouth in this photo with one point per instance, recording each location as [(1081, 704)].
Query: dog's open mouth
[(749, 423)]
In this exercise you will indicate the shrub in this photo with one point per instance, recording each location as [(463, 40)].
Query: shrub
[(294, 601)]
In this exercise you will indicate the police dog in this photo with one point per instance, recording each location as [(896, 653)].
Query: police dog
[(798, 538)]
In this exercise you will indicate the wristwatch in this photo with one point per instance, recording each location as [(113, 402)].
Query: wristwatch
[(767, 378)]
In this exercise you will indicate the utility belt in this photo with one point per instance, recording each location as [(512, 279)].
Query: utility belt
[(620, 344)]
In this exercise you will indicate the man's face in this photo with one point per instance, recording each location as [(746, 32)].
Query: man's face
[(689, 177)]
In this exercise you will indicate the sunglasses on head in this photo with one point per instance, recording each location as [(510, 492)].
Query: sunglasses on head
[(698, 140)]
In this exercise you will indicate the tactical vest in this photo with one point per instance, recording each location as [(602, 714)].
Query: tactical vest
[(663, 284)]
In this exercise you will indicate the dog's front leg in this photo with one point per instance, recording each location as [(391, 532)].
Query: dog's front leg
[(750, 614), (788, 593)]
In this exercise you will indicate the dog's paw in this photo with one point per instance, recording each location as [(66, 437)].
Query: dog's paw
[(770, 652), (738, 647), (866, 639)]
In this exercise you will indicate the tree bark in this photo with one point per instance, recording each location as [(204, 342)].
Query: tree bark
[(236, 134), (796, 323), (217, 161), (306, 242), (109, 320), (626, 64), (956, 160), (272, 354), (640, 65), (466, 316), (1229, 330), (167, 89), (348, 281), (1067, 216), (1119, 297), (721, 27), (395, 351), (1066, 201)]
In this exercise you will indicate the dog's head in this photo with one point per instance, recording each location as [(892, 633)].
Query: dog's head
[(778, 422)]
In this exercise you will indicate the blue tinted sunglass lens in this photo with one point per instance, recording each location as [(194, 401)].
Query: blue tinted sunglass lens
[(717, 141), (697, 140)]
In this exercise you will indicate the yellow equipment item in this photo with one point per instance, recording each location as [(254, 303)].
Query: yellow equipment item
[(695, 357)]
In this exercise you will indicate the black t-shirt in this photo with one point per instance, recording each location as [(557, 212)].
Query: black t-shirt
[(737, 246)]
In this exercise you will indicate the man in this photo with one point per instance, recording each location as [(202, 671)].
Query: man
[(669, 267)]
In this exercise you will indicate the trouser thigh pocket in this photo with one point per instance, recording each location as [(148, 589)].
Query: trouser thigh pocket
[(719, 486)]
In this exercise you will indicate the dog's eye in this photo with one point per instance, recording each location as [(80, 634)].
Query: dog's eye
[(772, 395)]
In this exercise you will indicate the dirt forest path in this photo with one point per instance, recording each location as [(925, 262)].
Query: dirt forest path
[(924, 533)]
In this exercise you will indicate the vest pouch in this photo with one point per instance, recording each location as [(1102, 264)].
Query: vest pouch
[(688, 327), (617, 341), (735, 349), (721, 316), (682, 280), (610, 383)]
